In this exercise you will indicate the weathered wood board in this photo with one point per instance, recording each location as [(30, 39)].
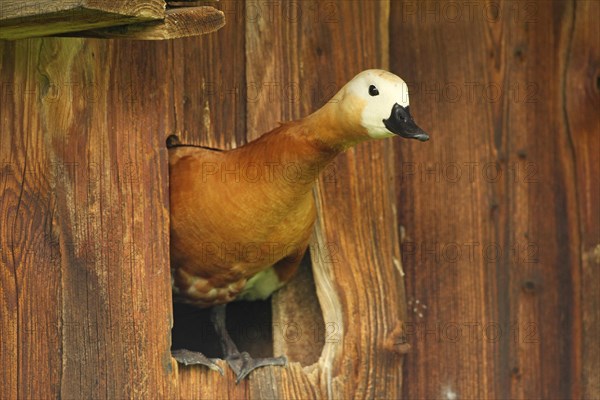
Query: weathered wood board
[(84, 282), (581, 103), (23, 19), (501, 212), (177, 23)]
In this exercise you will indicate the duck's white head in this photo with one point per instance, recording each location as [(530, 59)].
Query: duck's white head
[(378, 101)]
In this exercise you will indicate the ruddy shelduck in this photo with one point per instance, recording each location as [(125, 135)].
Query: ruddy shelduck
[(241, 219)]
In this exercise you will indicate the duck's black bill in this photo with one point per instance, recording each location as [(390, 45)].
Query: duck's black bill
[(401, 123)]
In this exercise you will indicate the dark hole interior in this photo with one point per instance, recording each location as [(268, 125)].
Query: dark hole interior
[(250, 323)]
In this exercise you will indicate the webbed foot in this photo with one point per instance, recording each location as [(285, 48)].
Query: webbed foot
[(242, 363), (187, 357)]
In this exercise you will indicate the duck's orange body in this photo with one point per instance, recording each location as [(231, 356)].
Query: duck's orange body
[(237, 213), (241, 219)]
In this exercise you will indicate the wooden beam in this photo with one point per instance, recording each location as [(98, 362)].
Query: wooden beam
[(149, 9), (190, 3), (178, 23), (23, 19)]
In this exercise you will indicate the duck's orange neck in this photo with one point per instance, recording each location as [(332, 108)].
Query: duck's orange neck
[(305, 147), (334, 129), (289, 157), (293, 155)]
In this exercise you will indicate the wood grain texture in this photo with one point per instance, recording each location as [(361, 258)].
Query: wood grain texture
[(23, 19), (191, 3), (582, 102), (432, 210), (152, 9), (85, 285), (211, 101), (27, 245), (492, 211), (177, 23), (149, 9)]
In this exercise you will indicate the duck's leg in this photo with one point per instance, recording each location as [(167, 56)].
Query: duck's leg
[(241, 363), (188, 357)]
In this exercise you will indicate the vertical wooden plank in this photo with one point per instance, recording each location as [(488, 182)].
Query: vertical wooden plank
[(8, 274), (137, 97), (30, 285), (210, 86), (447, 291), (582, 97), (93, 307), (490, 210), (537, 211), (541, 210)]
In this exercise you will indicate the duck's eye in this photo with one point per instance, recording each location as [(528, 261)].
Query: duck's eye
[(373, 91)]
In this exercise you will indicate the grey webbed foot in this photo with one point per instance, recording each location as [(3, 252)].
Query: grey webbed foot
[(242, 363), (187, 357)]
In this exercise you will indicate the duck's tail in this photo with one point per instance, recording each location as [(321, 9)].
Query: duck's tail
[(173, 141)]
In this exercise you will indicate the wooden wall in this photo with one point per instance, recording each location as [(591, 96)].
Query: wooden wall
[(501, 210), (85, 299), (498, 214)]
